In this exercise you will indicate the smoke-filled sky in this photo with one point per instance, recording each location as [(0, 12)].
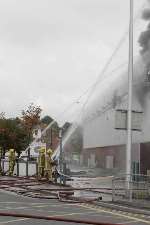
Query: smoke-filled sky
[(144, 39), (52, 50)]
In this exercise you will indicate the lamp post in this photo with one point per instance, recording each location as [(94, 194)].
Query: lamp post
[(129, 113), (62, 163), (61, 151)]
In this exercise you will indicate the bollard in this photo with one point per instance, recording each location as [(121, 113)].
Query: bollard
[(17, 167), (3, 164), (36, 169), (27, 168), (64, 172)]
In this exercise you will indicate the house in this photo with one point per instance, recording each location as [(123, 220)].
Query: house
[(47, 140)]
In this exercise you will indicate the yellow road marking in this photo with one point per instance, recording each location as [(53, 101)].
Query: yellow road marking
[(131, 221), (116, 214), (11, 221), (40, 206), (64, 205), (71, 214)]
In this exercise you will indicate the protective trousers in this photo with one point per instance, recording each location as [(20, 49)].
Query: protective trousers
[(48, 167), (11, 167), (41, 164)]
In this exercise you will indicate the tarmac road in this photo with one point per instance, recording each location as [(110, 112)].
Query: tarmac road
[(19, 204)]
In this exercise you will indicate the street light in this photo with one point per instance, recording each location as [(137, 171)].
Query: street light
[(62, 163), (129, 114), (61, 150)]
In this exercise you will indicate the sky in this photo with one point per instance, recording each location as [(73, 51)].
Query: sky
[(51, 51)]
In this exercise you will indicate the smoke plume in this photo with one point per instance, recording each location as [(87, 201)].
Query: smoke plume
[(144, 41), (146, 14)]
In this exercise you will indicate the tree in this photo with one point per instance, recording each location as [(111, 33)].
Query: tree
[(31, 118), (16, 132), (12, 135)]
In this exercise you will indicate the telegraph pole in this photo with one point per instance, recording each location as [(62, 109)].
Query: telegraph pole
[(130, 81)]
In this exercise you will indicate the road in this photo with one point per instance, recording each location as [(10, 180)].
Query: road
[(19, 204)]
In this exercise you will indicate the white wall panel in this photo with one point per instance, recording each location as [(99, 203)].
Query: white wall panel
[(101, 131)]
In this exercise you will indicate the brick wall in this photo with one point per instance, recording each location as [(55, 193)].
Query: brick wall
[(144, 157), (117, 152)]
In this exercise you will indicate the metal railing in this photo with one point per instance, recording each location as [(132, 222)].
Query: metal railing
[(133, 188), (22, 168)]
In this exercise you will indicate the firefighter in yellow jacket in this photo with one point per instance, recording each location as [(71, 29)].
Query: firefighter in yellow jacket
[(12, 160), (48, 164), (41, 162)]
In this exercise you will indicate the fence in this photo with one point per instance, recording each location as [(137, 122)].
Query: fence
[(133, 188), (22, 168)]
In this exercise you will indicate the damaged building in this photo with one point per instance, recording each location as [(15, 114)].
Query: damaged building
[(103, 142)]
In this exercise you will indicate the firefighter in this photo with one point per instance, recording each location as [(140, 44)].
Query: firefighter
[(1, 151), (48, 164), (12, 160), (41, 162)]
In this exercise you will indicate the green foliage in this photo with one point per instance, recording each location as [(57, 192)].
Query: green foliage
[(13, 135), (31, 117), (16, 132)]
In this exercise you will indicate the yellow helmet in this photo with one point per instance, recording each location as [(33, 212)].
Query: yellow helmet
[(11, 150), (42, 150), (49, 152)]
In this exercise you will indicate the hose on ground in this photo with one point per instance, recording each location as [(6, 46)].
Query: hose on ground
[(62, 194)]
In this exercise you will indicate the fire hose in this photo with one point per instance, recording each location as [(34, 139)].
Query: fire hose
[(53, 218), (67, 196), (62, 194)]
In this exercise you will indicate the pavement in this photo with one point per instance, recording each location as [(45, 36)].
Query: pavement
[(104, 183), (18, 204), (93, 182), (93, 172)]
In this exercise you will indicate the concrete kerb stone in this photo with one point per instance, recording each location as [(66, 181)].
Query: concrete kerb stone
[(124, 208)]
